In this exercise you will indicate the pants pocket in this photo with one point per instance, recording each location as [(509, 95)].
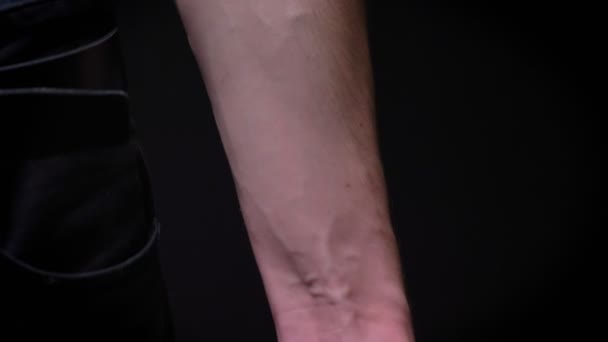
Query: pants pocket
[(124, 302), (107, 290)]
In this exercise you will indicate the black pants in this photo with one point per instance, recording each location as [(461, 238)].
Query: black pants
[(79, 236)]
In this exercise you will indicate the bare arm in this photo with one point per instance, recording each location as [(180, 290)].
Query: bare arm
[(291, 89)]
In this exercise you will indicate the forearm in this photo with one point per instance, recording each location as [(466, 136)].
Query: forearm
[(291, 90)]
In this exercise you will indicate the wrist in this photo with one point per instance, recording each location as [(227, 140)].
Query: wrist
[(328, 277), (370, 307), (316, 324)]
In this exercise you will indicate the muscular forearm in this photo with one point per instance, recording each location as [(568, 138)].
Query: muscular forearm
[(291, 89)]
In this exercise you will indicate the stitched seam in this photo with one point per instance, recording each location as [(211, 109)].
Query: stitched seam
[(92, 274), (46, 59)]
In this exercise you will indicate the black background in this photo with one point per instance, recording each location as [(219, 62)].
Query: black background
[(483, 114)]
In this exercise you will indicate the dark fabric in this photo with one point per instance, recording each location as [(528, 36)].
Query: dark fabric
[(123, 303), (78, 234), (36, 28), (77, 211), (95, 64), (78, 231)]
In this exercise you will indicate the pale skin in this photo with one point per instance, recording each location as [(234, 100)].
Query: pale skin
[(292, 93)]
